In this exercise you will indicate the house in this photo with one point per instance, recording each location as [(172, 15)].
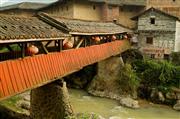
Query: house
[(97, 10), (22, 9), (158, 33)]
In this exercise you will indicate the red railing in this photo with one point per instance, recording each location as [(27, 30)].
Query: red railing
[(19, 75)]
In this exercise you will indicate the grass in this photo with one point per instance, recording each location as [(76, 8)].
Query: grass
[(11, 103)]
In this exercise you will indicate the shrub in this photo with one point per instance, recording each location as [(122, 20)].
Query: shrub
[(158, 74)]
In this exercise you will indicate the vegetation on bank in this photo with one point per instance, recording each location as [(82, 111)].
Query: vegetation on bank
[(158, 74), (149, 74)]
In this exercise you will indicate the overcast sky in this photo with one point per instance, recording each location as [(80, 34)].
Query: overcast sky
[(8, 2)]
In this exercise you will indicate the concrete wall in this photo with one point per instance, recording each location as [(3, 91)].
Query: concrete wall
[(65, 9), (162, 22), (110, 12), (126, 13), (19, 12), (169, 6), (87, 10), (177, 37)]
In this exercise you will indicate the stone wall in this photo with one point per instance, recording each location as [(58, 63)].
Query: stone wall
[(162, 22), (160, 40), (50, 101)]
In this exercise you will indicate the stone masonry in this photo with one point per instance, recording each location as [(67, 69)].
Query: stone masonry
[(50, 101)]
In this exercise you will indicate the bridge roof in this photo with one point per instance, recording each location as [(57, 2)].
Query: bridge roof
[(18, 29), (84, 27)]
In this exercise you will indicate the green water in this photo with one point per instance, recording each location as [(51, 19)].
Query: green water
[(110, 109)]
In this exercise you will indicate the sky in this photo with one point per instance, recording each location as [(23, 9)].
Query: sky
[(8, 2)]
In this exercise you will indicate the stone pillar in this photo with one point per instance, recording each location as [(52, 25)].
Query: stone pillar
[(50, 101)]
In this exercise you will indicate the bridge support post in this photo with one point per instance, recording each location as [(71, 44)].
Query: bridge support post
[(50, 101)]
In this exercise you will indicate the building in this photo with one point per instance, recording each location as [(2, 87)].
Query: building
[(158, 33), (168, 6), (97, 10), (22, 9)]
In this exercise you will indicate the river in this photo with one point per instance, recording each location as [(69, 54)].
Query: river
[(110, 109)]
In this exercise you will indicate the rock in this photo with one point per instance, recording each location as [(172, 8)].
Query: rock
[(88, 116), (24, 104), (153, 93), (161, 96), (178, 96), (170, 95), (114, 117), (129, 102), (26, 97), (177, 106)]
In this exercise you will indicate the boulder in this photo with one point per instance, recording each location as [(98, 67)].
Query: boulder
[(170, 95), (177, 105), (178, 96), (24, 104), (129, 102), (161, 96)]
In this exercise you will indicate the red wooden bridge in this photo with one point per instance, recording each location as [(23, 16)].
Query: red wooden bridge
[(20, 72), (20, 75)]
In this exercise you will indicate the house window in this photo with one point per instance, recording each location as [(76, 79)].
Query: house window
[(166, 56), (152, 56), (152, 20), (94, 7), (149, 40)]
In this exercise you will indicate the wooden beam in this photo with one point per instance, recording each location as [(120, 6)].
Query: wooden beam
[(43, 47), (48, 43), (79, 44)]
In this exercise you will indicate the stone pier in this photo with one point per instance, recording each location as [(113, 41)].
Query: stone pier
[(50, 101)]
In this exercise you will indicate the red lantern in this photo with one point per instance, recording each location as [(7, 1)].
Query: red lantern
[(68, 45), (113, 37), (32, 50), (97, 39)]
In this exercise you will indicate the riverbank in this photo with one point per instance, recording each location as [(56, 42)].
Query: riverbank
[(82, 102)]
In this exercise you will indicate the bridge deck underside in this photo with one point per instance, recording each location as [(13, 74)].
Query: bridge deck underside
[(19, 75)]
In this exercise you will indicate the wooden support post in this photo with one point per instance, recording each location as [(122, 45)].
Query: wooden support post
[(60, 45), (85, 42), (23, 50)]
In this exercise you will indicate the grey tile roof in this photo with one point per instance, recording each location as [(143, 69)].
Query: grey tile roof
[(156, 10), (84, 27), (18, 28)]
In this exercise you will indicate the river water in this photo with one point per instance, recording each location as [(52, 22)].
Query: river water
[(110, 109)]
